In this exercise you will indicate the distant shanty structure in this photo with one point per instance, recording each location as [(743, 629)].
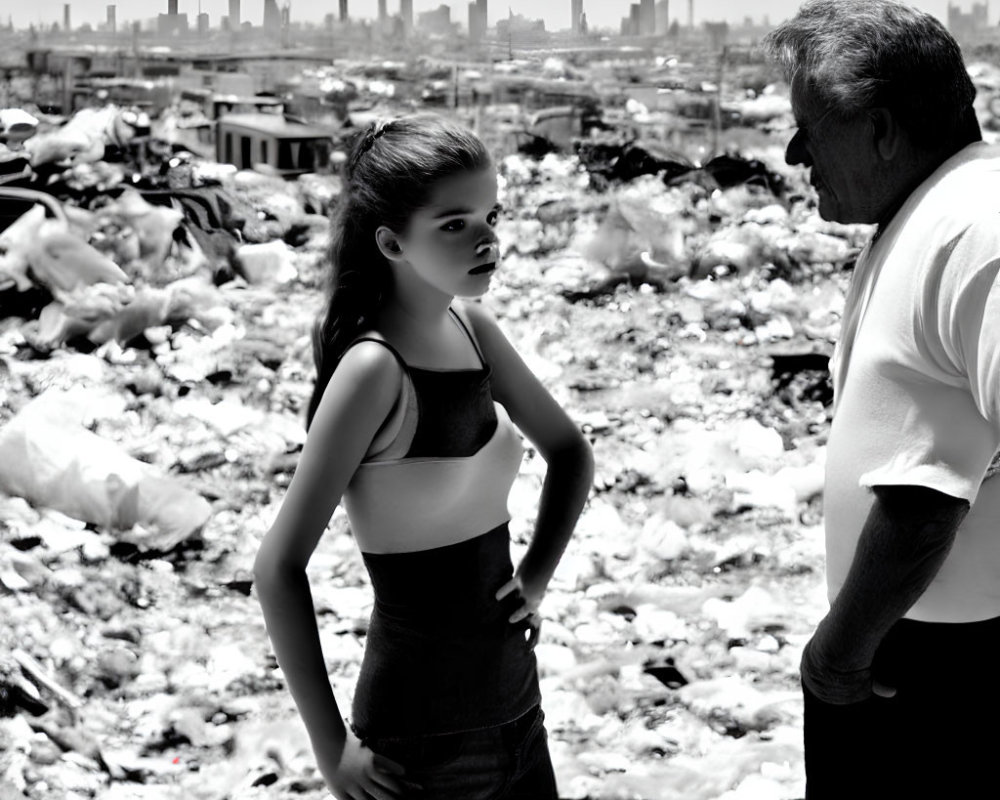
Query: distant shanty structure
[(270, 143)]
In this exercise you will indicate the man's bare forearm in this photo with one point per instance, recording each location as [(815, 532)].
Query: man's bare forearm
[(905, 540)]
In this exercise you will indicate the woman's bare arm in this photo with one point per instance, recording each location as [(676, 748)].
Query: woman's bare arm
[(567, 454), (357, 400)]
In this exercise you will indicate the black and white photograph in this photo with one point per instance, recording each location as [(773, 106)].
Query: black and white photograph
[(555, 400)]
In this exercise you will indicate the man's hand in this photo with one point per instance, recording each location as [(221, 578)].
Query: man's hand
[(906, 538), (834, 680)]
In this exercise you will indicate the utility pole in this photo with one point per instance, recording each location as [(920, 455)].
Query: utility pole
[(719, 77)]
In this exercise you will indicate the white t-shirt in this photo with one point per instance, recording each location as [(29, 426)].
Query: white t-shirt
[(917, 380)]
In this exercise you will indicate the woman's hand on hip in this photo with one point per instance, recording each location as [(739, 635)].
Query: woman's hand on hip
[(357, 773), (530, 600)]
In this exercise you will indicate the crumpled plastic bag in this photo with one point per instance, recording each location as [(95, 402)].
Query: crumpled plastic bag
[(50, 459)]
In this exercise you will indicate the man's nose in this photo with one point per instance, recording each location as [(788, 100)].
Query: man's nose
[(796, 152)]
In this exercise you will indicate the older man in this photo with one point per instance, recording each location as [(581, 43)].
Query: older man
[(901, 677)]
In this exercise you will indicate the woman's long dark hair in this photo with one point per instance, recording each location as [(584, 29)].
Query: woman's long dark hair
[(388, 175)]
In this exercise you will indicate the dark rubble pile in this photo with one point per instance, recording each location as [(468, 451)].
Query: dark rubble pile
[(684, 324)]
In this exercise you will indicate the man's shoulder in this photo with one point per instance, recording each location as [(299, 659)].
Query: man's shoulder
[(961, 199), (966, 185)]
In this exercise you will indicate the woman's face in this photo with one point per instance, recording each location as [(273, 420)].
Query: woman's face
[(450, 243)]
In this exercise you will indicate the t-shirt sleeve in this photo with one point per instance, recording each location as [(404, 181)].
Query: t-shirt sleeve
[(977, 323), (956, 411)]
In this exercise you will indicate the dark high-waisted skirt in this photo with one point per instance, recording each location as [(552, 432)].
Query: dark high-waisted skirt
[(441, 656)]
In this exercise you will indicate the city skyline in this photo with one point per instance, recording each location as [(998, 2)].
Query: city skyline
[(556, 13)]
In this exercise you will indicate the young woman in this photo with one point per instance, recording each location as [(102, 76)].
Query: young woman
[(412, 424)]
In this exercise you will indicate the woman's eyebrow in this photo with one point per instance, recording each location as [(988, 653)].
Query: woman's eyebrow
[(457, 211), (453, 212)]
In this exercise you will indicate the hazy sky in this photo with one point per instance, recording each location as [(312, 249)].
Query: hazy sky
[(556, 13)]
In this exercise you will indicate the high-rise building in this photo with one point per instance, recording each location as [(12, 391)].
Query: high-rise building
[(234, 15), (691, 14), (383, 13), (66, 20), (272, 17), (477, 20), (112, 21), (647, 17), (202, 23), (343, 10), (635, 19), (662, 17), (406, 14), (575, 12), (717, 32), (474, 33), (171, 23), (966, 25), (436, 21)]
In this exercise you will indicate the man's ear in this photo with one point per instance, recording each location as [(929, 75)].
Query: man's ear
[(388, 244), (886, 133)]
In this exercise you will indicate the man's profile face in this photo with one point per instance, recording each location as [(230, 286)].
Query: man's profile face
[(840, 155)]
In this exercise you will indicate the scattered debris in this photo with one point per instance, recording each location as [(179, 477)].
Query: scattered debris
[(154, 350)]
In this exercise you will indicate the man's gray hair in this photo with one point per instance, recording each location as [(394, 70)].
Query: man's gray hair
[(855, 55)]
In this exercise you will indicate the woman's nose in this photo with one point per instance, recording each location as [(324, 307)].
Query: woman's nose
[(486, 245), (487, 241)]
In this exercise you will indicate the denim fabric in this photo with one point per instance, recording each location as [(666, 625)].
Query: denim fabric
[(936, 738), (505, 762)]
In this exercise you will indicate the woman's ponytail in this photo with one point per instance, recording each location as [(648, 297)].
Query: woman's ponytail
[(359, 281)]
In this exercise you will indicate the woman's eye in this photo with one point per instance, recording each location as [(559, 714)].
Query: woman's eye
[(453, 225)]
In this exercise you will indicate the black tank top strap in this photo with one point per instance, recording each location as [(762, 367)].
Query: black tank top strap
[(395, 435), (385, 344), (475, 344)]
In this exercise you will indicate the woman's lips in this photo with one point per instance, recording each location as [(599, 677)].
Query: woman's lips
[(483, 268)]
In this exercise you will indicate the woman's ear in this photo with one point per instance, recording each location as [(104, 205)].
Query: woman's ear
[(388, 244)]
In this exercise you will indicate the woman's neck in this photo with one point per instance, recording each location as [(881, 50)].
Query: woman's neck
[(415, 308), (421, 327)]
